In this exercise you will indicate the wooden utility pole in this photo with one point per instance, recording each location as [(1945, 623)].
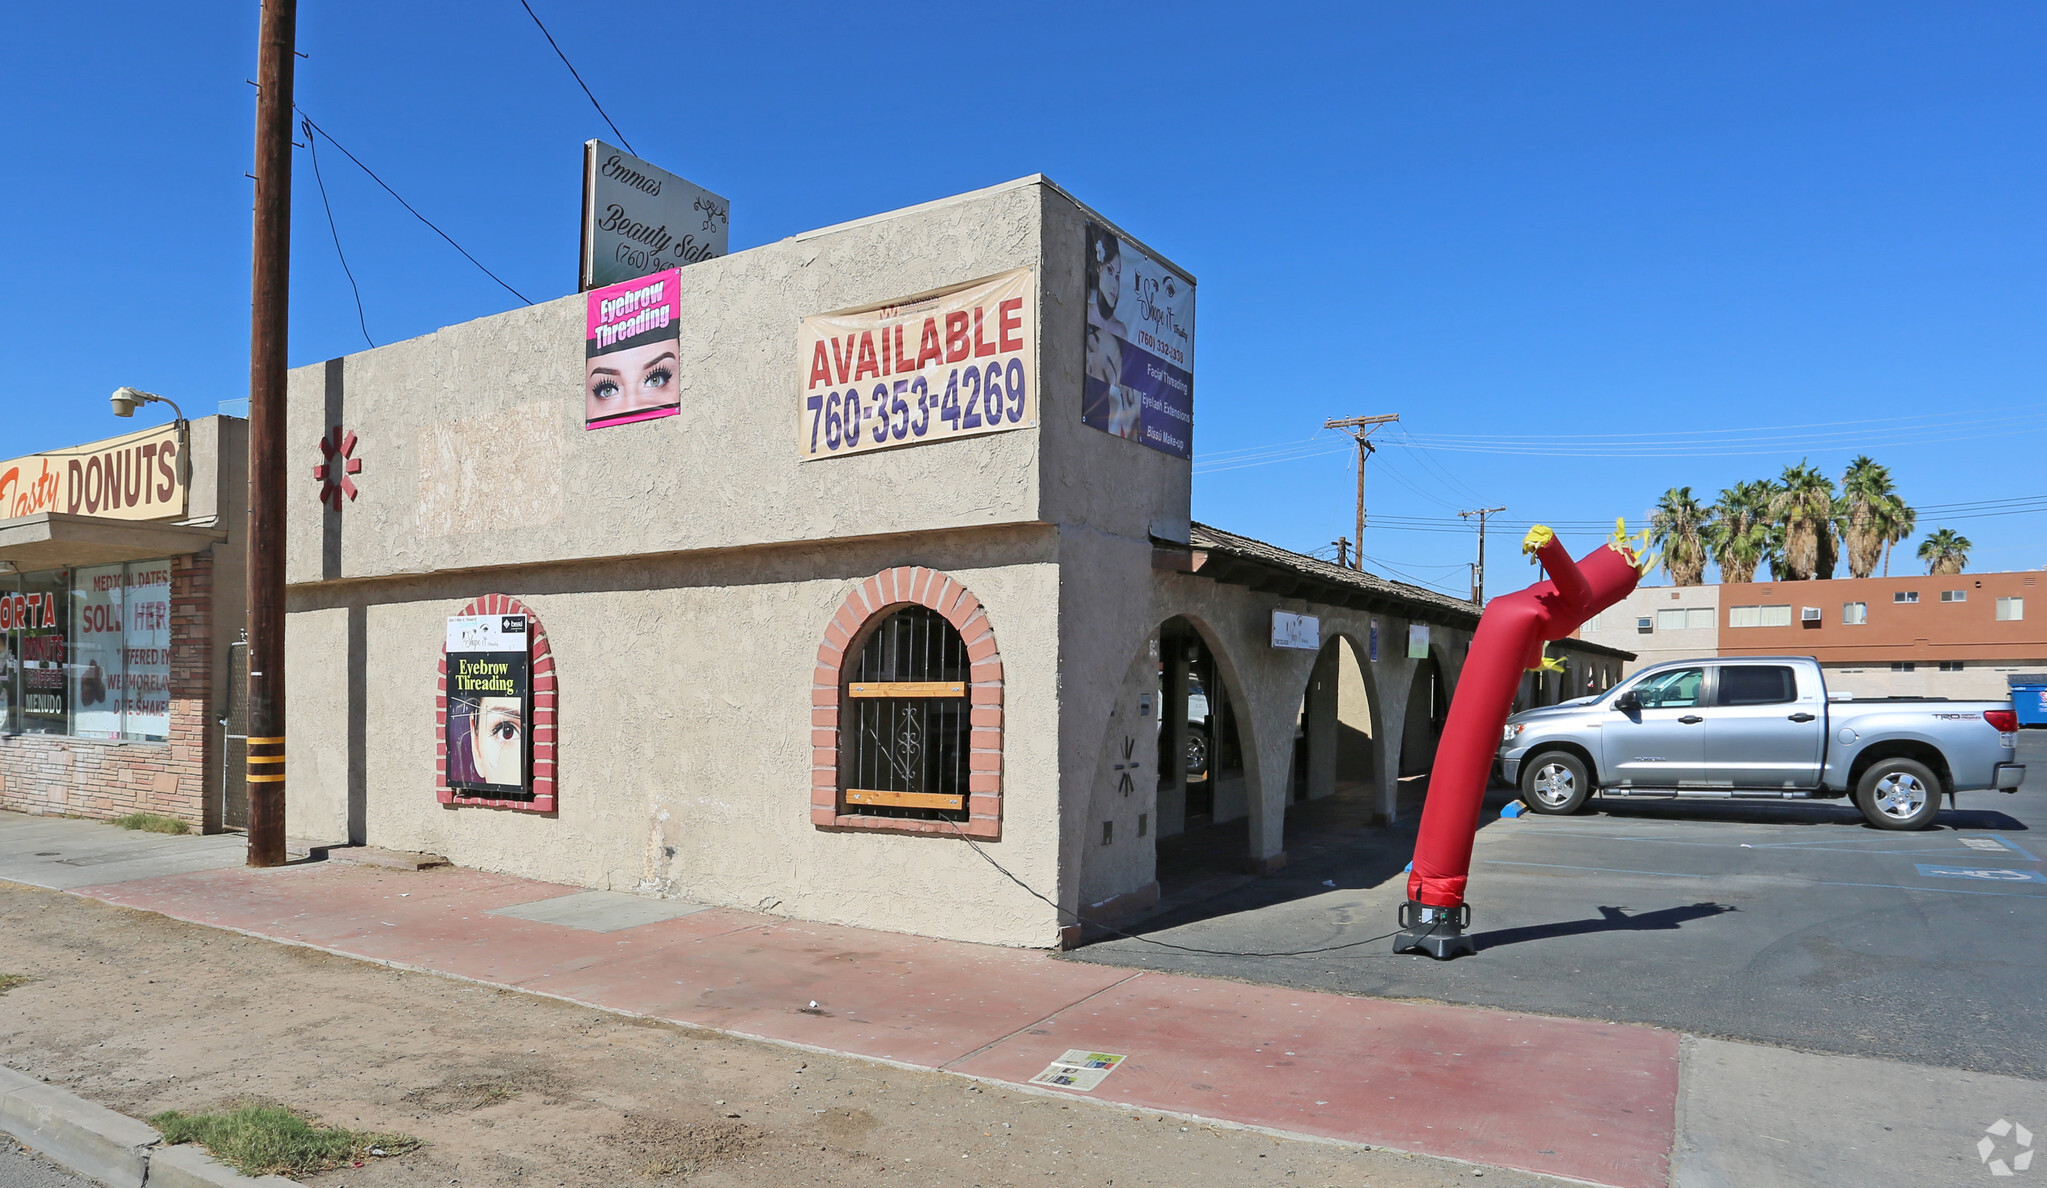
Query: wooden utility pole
[(1342, 544), (268, 318), (1361, 428), (1478, 571)]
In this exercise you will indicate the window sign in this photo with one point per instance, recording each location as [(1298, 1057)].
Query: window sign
[(34, 618), (489, 706), (95, 667), (86, 652), (1140, 346), (146, 652), (956, 363)]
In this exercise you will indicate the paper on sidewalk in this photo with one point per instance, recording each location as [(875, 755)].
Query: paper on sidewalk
[(1078, 1070)]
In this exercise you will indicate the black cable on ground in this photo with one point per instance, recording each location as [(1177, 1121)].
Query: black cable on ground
[(1078, 919)]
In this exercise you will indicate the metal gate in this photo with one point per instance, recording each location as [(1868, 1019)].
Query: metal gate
[(234, 751)]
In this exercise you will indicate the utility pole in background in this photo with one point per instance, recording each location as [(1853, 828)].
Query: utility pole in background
[(1361, 428), (1342, 544), (1478, 571), (268, 321)]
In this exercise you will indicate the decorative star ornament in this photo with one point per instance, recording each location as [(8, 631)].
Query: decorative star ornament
[(333, 473)]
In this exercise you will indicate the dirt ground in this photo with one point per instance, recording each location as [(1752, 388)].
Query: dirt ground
[(143, 1013)]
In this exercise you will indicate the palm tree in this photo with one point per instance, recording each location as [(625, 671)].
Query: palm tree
[(1946, 551), (1678, 527), (1903, 523), (1804, 508), (1737, 529), (1866, 494)]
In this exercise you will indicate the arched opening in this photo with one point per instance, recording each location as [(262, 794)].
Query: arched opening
[(1206, 786), (1428, 705), (1333, 735)]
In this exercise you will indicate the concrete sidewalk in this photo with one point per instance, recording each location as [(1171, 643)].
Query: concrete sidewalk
[(1604, 1103)]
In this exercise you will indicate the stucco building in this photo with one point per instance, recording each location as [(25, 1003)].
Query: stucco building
[(842, 686), (1957, 635)]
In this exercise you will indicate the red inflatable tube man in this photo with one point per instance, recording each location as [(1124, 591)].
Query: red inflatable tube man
[(1510, 639)]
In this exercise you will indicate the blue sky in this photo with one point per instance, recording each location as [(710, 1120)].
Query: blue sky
[(1516, 225)]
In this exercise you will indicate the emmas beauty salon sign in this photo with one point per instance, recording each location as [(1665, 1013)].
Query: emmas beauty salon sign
[(140, 476)]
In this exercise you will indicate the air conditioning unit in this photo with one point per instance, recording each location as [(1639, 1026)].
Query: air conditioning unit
[(1809, 614)]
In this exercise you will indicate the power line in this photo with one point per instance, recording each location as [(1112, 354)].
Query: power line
[(314, 152), (579, 79), (408, 206)]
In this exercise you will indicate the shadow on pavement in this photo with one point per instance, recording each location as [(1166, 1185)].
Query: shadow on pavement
[(1836, 813), (1331, 844), (1611, 919)]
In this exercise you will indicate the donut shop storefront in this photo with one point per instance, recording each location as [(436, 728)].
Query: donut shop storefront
[(119, 559)]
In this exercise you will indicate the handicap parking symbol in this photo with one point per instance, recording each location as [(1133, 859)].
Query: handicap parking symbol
[(1995, 874)]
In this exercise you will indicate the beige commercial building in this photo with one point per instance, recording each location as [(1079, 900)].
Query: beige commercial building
[(841, 686), (1957, 635)]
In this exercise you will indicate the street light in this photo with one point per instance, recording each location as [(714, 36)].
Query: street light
[(127, 400)]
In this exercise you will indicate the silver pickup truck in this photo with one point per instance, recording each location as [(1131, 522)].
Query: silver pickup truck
[(1760, 727)]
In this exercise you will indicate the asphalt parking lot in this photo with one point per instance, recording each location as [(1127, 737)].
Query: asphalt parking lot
[(1791, 924)]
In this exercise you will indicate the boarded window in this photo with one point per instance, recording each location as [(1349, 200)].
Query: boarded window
[(904, 723)]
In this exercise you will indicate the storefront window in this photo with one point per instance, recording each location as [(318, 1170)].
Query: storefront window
[(86, 652)]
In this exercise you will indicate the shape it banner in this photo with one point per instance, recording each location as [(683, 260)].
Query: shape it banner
[(1140, 346), (958, 363)]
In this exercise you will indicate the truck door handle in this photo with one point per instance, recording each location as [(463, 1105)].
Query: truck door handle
[(1689, 719), (1801, 717)]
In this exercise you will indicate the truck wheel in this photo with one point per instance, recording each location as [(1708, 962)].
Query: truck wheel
[(1898, 794), (1555, 783)]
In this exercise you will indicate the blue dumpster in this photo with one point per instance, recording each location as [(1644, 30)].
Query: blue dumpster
[(2029, 697)]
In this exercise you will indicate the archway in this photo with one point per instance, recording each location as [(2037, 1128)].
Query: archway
[(1428, 705), (1206, 786), (1334, 752)]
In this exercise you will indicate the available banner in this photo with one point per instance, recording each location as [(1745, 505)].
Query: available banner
[(489, 706), (633, 338), (1140, 346), (956, 363), (639, 219)]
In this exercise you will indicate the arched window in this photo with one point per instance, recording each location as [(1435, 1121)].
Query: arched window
[(904, 724), (954, 731)]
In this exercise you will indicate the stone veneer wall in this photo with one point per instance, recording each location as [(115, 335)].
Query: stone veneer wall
[(81, 777)]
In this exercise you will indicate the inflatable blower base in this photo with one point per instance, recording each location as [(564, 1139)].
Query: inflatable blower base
[(1437, 931), (1512, 632)]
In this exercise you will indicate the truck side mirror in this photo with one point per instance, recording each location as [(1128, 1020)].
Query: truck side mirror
[(1628, 703)]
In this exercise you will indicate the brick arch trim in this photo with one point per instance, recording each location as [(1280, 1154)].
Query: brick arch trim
[(864, 607), (543, 724)]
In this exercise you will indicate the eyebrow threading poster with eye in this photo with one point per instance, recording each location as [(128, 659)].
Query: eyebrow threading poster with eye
[(489, 706), (632, 344)]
